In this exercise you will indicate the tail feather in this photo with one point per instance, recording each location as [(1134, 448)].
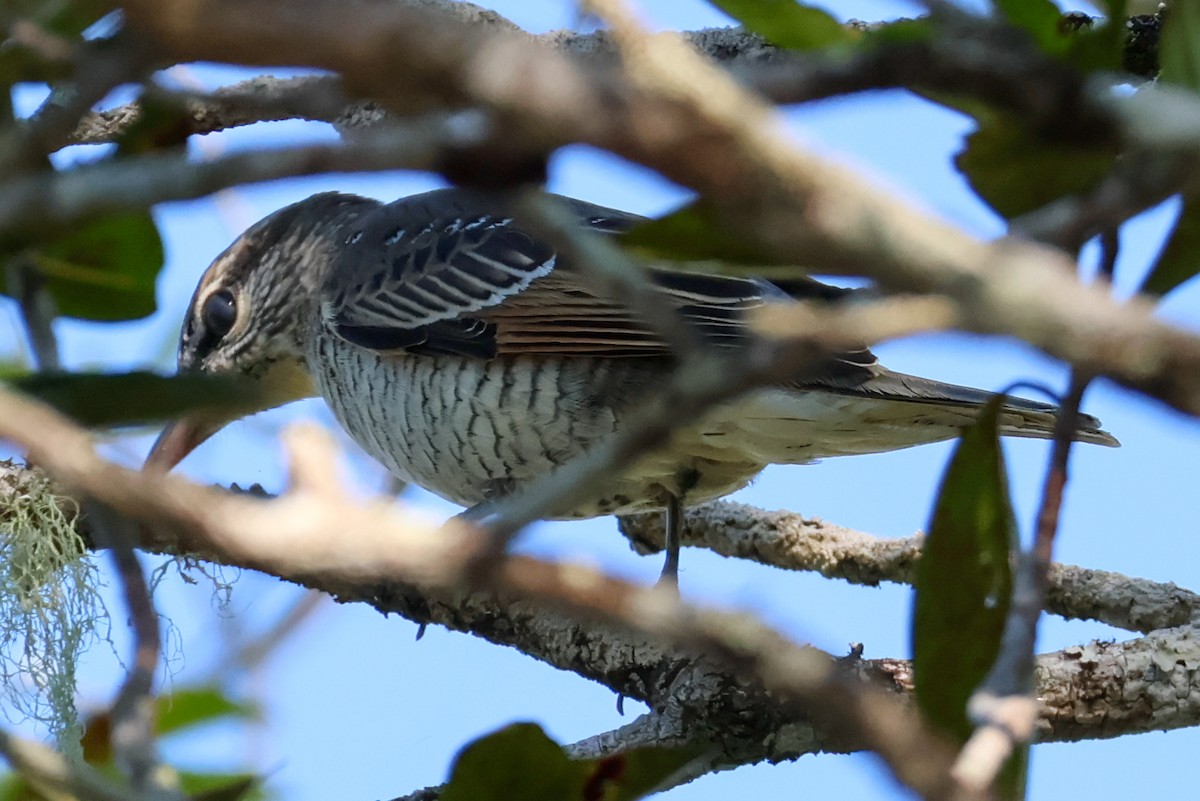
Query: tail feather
[(1020, 417)]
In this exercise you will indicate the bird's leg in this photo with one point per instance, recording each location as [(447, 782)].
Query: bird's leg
[(673, 528), (493, 493)]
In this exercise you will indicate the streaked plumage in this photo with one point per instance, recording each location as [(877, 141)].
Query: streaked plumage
[(463, 354)]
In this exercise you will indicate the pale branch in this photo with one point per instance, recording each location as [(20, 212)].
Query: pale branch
[(52, 775), (979, 61), (792, 204), (260, 99), (1088, 691), (290, 538), (56, 199), (794, 542)]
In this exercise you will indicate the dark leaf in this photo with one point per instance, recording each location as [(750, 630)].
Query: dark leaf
[(195, 706), (137, 398), (1041, 19), (635, 774), (1180, 256), (964, 578), (219, 786), (1015, 171), (518, 761), (104, 269), (787, 23), (1101, 45), (521, 762), (159, 125), (19, 63), (67, 18), (695, 233), (1179, 53)]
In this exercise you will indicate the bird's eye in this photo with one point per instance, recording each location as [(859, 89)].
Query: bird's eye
[(219, 313)]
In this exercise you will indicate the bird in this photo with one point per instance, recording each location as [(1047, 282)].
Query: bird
[(469, 357)]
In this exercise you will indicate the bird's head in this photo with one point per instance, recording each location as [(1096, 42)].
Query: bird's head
[(250, 312)]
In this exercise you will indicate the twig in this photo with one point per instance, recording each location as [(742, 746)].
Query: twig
[(27, 285), (133, 710), (1004, 707), (57, 199), (45, 769)]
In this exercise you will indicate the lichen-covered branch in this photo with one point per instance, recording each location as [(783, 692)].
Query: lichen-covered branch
[(793, 542)]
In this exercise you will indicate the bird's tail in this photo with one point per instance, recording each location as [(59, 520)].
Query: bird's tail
[(1020, 417)]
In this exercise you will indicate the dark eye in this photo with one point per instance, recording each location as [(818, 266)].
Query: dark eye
[(219, 313)]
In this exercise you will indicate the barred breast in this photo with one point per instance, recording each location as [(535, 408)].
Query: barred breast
[(469, 430)]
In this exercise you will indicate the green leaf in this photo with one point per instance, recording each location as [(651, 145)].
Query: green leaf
[(160, 125), (1180, 256), (104, 269), (1015, 171), (787, 23), (1101, 45), (1179, 53), (220, 786), (521, 762), (964, 578), (195, 706), (139, 398), (694, 233), (1040, 18), (517, 762)]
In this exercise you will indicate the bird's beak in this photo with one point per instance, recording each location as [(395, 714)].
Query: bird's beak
[(283, 384), (179, 439)]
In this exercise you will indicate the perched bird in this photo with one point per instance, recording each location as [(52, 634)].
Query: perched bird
[(468, 358)]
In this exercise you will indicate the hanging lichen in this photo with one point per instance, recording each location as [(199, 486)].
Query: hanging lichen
[(50, 606)]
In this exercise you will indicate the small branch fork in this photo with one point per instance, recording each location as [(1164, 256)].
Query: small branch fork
[(1004, 707)]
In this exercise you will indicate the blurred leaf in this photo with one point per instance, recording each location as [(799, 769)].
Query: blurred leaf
[(694, 233), (195, 706), (159, 126), (1179, 53), (1180, 256), (787, 23), (1100, 45), (19, 63), (219, 786), (1041, 19), (97, 739), (902, 31), (104, 269), (635, 774), (964, 578), (138, 398), (14, 788), (1015, 171), (67, 18), (518, 761), (521, 762)]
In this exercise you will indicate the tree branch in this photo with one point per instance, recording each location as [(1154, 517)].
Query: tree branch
[(794, 542)]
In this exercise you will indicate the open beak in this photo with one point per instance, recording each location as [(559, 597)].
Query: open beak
[(177, 440)]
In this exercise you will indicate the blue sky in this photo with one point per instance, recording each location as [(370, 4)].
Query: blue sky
[(356, 709)]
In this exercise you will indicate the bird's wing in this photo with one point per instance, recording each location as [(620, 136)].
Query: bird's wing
[(448, 273)]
